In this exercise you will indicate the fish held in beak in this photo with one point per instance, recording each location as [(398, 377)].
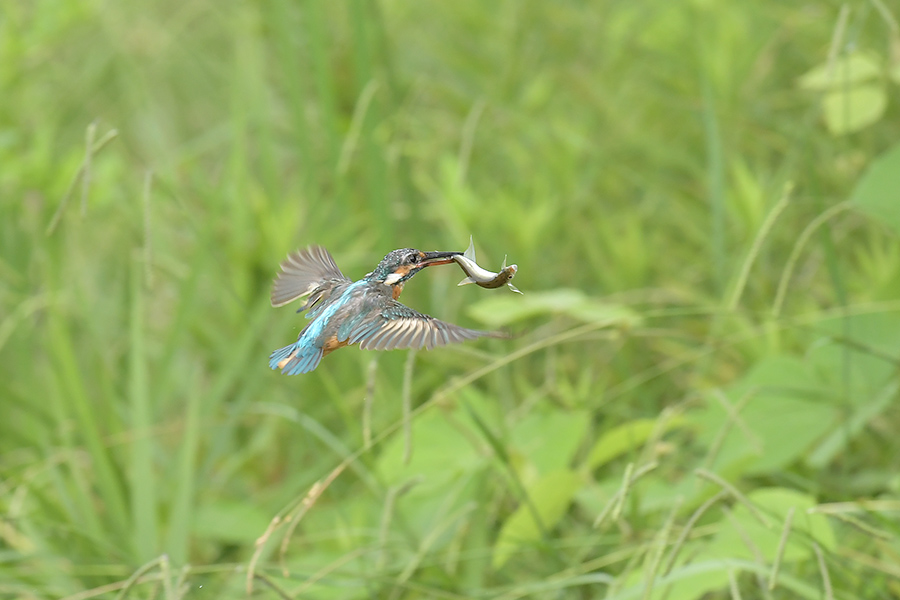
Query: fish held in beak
[(482, 277)]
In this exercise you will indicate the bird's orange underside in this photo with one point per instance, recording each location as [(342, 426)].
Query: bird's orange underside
[(332, 344)]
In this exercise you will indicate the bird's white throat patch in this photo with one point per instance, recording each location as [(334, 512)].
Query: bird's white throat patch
[(393, 278)]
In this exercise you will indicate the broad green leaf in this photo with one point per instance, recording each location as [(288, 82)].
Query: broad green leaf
[(502, 310), (445, 470), (547, 440), (593, 496), (876, 192), (622, 439), (849, 428), (706, 572), (846, 71), (550, 499), (861, 351), (649, 494), (775, 503), (858, 357), (441, 451), (687, 581), (658, 494), (850, 110), (782, 416), (859, 364), (505, 309), (596, 311)]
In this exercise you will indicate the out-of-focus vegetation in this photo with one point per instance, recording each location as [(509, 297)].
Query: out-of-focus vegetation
[(703, 198)]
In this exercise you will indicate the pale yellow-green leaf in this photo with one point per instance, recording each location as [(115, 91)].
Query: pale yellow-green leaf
[(622, 439), (442, 452), (508, 308), (775, 503), (502, 310), (550, 498), (876, 190), (853, 109), (546, 440), (846, 71), (596, 311), (894, 54), (687, 581)]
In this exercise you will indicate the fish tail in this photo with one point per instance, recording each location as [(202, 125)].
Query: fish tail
[(295, 358), (470, 251)]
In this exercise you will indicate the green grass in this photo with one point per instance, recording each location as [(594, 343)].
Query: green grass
[(701, 396)]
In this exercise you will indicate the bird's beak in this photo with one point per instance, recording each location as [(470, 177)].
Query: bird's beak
[(429, 259)]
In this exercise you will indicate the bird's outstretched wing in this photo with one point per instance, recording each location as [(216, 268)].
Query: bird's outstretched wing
[(397, 326), (304, 272)]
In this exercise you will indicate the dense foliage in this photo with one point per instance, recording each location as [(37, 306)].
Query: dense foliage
[(700, 399)]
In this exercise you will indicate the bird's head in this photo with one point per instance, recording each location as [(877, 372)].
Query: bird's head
[(400, 265)]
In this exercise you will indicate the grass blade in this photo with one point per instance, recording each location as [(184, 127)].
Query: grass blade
[(109, 485), (141, 472), (183, 502)]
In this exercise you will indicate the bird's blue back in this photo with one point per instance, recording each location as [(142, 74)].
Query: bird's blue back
[(338, 313)]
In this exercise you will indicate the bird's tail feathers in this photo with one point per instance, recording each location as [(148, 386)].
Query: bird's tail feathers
[(295, 359)]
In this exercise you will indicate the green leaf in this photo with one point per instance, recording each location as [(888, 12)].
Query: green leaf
[(849, 110), (844, 72), (782, 416), (859, 350), (596, 311), (705, 573), (687, 581), (548, 439), (503, 310), (852, 426), (894, 73), (859, 363), (876, 192), (776, 503), (441, 452), (230, 521), (624, 438), (549, 498)]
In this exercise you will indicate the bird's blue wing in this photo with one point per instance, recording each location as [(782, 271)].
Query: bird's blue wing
[(309, 271), (396, 326)]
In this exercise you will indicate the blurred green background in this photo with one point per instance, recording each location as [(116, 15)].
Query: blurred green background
[(702, 196)]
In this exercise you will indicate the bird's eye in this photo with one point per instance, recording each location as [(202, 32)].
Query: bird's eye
[(413, 258)]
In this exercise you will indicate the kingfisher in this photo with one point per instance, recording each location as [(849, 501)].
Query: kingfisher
[(365, 312)]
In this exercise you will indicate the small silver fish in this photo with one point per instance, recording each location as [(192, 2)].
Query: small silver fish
[(483, 277)]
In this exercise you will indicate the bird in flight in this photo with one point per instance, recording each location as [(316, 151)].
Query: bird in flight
[(365, 312)]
